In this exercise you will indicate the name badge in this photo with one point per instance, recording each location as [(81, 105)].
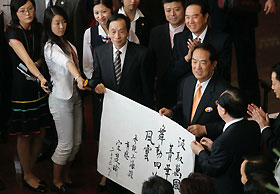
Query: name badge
[(208, 109)]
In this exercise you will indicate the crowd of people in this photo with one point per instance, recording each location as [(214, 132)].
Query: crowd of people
[(181, 68)]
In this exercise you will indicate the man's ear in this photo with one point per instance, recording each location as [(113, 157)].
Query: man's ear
[(214, 63)]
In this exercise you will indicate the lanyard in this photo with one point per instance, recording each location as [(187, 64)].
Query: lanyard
[(30, 52)]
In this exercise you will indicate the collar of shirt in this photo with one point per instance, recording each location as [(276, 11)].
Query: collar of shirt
[(138, 14), (230, 123), (47, 2), (173, 31), (203, 86), (101, 31), (123, 52), (202, 35)]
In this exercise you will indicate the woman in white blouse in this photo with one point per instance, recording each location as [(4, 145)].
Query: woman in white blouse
[(97, 34), (64, 100)]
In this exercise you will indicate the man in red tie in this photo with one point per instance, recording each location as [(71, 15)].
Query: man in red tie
[(198, 93)]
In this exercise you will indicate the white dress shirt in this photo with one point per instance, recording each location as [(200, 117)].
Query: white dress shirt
[(47, 2), (87, 51), (61, 77), (230, 123), (201, 36), (132, 36)]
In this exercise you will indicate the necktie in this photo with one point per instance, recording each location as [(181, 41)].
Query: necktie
[(196, 100), (117, 66)]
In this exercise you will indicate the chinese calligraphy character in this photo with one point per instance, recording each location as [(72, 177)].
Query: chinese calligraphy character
[(176, 184), (179, 158), (147, 151), (170, 152), (161, 134), (149, 136), (158, 152), (157, 165), (181, 143)]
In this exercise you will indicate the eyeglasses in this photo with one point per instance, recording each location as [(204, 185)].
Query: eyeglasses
[(24, 11)]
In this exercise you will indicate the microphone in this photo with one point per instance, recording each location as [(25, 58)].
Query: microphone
[(89, 83)]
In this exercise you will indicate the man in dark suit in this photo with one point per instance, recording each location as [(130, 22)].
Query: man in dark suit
[(222, 158), (200, 117), (270, 131), (196, 17), (123, 72), (162, 37), (134, 81), (77, 17)]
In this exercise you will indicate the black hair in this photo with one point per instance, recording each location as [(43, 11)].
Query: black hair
[(202, 3), (15, 5), (157, 185), (197, 183), (48, 34), (276, 69), (107, 3), (257, 183), (207, 47), (257, 162), (234, 102), (116, 17), (170, 1)]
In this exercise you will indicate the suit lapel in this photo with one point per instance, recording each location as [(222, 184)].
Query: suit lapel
[(206, 97), (108, 62), (166, 41), (188, 97), (129, 58), (208, 36)]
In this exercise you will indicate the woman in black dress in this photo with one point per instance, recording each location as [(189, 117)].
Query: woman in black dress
[(29, 105)]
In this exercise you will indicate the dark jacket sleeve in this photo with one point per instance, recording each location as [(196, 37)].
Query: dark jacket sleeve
[(96, 75), (271, 140), (214, 163), (178, 66)]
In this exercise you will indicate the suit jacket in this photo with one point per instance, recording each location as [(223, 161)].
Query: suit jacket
[(224, 161), (142, 30), (135, 82), (219, 40), (166, 93), (271, 137), (77, 20), (206, 112)]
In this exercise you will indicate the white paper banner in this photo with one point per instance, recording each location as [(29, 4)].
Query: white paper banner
[(136, 143)]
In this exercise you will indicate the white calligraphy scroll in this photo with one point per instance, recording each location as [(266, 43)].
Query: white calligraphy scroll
[(136, 143)]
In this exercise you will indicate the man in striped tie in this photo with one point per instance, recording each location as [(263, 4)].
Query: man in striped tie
[(123, 67)]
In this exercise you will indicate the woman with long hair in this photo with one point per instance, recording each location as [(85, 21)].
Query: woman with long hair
[(30, 113), (64, 100)]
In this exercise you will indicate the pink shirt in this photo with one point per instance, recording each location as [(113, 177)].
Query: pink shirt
[(173, 31)]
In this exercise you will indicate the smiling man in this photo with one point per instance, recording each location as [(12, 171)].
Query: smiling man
[(162, 37), (196, 19), (198, 92), (122, 65)]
